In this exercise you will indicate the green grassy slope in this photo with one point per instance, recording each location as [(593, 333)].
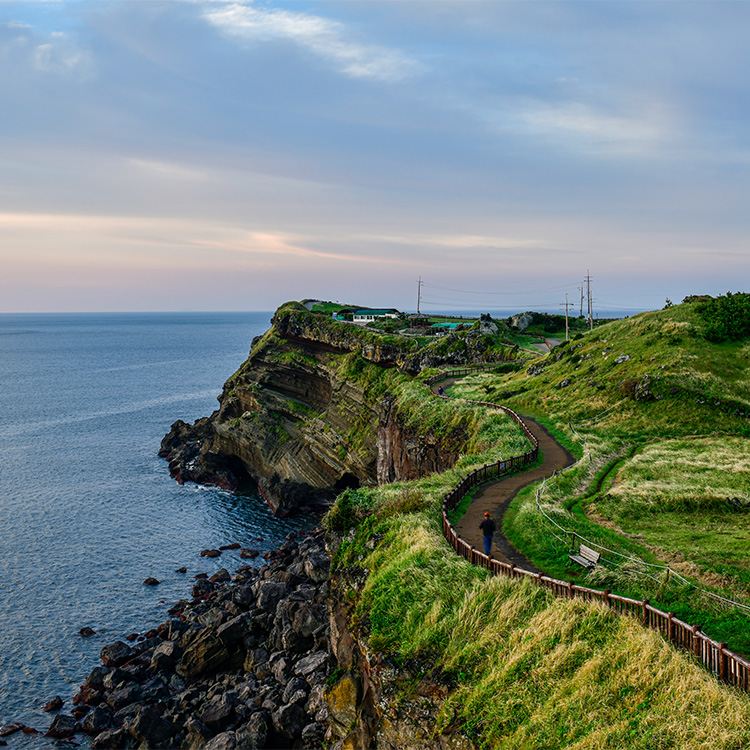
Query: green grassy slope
[(668, 480), (527, 670)]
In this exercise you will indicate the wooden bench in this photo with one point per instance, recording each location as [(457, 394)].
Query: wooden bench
[(586, 557)]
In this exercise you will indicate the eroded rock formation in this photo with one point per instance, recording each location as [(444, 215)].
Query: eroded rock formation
[(295, 421)]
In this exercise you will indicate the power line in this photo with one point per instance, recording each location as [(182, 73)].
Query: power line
[(499, 294)]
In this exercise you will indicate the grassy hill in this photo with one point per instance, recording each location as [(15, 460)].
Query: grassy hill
[(668, 477), (526, 670)]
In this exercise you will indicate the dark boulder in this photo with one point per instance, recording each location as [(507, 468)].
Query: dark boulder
[(223, 741), (124, 696), (218, 716), (54, 705), (117, 653), (96, 722), (87, 632), (288, 721), (221, 576), (114, 739), (254, 733), (165, 656), (151, 582), (211, 553), (63, 727), (205, 655), (202, 588), (96, 678), (270, 595), (150, 728)]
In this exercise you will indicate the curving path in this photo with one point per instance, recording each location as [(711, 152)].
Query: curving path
[(496, 496)]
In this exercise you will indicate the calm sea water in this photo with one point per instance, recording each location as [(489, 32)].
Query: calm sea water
[(87, 509)]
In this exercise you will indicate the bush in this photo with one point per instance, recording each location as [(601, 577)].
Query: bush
[(726, 318)]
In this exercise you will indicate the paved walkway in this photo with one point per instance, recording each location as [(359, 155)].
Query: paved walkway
[(496, 496)]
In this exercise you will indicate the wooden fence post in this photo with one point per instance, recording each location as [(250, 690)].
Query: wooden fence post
[(670, 618), (646, 618), (722, 660), (570, 589), (696, 641), (608, 601)]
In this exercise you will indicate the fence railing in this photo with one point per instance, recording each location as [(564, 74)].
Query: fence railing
[(725, 664)]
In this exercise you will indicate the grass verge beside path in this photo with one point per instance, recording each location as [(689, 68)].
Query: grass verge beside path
[(529, 670)]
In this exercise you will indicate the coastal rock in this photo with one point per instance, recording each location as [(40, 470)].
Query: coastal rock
[(218, 716), (150, 728), (221, 576), (254, 733), (63, 727), (115, 654), (164, 656), (54, 705), (87, 632), (96, 721), (223, 741), (205, 655), (308, 665), (286, 417), (211, 553), (151, 582), (7, 729), (249, 554), (288, 721), (114, 739), (234, 545)]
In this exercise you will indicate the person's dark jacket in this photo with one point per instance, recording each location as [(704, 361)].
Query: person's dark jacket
[(488, 527)]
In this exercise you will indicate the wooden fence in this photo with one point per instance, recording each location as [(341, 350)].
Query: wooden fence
[(725, 664)]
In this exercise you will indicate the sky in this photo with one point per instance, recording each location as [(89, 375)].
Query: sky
[(196, 155)]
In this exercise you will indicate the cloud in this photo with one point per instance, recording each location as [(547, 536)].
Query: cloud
[(56, 53), (328, 39), (587, 126)]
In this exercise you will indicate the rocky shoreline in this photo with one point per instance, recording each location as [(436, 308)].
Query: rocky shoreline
[(242, 665)]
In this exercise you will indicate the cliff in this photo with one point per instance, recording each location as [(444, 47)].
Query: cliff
[(311, 412)]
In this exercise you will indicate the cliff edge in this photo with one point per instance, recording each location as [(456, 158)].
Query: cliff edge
[(310, 413)]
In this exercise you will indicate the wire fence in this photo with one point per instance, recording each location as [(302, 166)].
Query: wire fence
[(727, 665)]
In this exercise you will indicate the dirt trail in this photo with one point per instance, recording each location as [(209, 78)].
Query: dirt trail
[(496, 496)]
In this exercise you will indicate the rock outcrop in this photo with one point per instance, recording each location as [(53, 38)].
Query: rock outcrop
[(295, 420)]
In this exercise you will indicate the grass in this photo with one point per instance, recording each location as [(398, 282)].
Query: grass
[(667, 502), (529, 670)]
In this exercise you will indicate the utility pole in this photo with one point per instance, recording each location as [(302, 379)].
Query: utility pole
[(567, 330), (580, 289), (588, 294), (419, 294)]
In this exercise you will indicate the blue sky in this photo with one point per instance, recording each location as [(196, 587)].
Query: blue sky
[(233, 155)]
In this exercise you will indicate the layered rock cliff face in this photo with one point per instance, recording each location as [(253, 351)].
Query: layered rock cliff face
[(296, 421)]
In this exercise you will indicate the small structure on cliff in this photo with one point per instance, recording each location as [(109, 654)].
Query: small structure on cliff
[(368, 316)]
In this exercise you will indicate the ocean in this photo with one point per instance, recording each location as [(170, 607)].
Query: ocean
[(87, 508)]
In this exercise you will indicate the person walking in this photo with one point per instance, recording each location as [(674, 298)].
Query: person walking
[(488, 527)]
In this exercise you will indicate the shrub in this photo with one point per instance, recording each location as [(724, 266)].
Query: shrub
[(726, 317)]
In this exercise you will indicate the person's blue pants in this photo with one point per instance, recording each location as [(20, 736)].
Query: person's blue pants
[(487, 544)]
